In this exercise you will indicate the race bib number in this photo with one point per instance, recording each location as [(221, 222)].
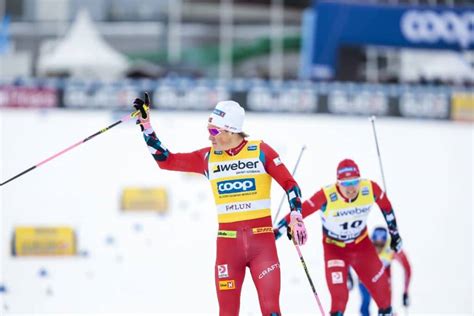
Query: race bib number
[(346, 224)]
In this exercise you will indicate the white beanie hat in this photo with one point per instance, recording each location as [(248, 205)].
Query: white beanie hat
[(228, 115)]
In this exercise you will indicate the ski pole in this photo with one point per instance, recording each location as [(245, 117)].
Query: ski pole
[(293, 173), (309, 279), (123, 119), (372, 120)]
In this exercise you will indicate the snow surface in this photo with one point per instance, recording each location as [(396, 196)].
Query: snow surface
[(145, 263)]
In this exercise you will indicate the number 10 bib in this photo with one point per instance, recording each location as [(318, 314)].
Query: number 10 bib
[(346, 221)]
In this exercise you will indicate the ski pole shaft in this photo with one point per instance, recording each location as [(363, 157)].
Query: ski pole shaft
[(309, 279), (123, 119), (372, 120), (293, 173)]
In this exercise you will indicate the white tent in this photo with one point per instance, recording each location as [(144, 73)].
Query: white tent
[(82, 53)]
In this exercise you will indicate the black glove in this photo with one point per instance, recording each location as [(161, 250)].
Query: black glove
[(406, 299), (139, 105), (144, 108), (288, 233), (396, 242)]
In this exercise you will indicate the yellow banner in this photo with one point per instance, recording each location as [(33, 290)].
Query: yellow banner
[(44, 241), (463, 107), (145, 199)]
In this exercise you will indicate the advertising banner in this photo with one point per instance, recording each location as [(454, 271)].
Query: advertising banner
[(434, 105), (174, 97), (145, 199), (268, 99), (462, 106), (338, 23), (28, 97), (44, 241), (102, 96)]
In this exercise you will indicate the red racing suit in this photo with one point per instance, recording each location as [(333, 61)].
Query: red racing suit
[(346, 242), (387, 256), (240, 179)]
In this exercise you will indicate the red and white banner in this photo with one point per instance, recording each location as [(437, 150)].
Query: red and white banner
[(28, 97)]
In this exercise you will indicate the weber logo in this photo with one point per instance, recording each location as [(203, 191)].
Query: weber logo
[(240, 165), (236, 186), (354, 211)]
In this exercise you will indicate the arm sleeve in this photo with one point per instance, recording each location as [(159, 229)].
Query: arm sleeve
[(280, 173), (195, 161), (387, 211), (381, 198), (403, 260), (316, 202)]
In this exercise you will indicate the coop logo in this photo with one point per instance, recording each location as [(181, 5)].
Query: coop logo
[(239, 165), (236, 186), (432, 27)]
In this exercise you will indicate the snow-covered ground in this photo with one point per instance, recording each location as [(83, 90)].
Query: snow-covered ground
[(145, 263)]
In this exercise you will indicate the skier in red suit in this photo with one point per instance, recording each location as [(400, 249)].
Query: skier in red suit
[(344, 207), (240, 172)]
